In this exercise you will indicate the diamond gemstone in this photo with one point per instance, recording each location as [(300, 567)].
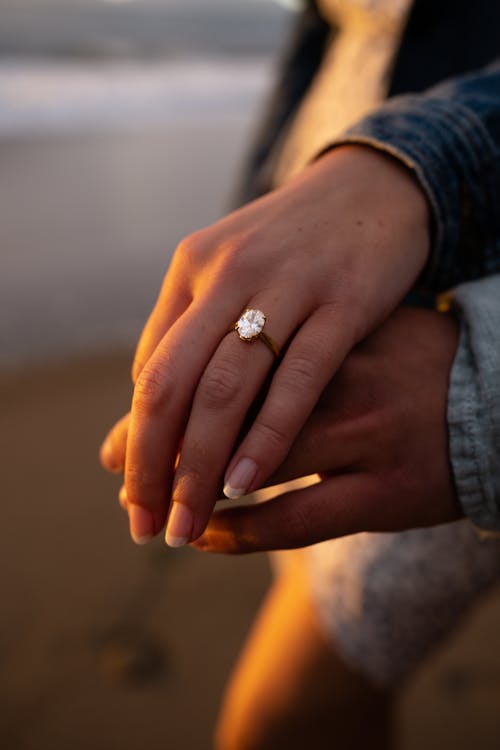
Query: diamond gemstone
[(251, 323)]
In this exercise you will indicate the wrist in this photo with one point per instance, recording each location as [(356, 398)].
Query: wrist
[(385, 181), (377, 225)]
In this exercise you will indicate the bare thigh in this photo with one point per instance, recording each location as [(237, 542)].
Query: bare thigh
[(291, 689)]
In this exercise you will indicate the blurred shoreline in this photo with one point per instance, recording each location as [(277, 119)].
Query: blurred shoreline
[(104, 169), (40, 96), (150, 28), (123, 127)]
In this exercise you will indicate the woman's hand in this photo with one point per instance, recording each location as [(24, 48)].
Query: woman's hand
[(326, 258), (379, 438)]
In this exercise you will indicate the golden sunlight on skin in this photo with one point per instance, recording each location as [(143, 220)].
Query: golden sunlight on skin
[(278, 489), (279, 560), (290, 688)]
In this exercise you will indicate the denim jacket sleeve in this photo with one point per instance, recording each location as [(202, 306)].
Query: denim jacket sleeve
[(449, 136), (474, 402)]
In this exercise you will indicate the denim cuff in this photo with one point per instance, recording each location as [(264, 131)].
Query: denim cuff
[(474, 403)]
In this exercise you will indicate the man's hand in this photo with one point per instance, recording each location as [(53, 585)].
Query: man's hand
[(379, 439), (326, 258)]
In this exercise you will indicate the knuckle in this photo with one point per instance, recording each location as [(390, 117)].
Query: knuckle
[(220, 385), (152, 390), (272, 435), (225, 259), (236, 246), (234, 257), (300, 372), (139, 480), (187, 474), (189, 471), (192, 245)]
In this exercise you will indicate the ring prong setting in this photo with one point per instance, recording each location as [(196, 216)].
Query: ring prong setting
[(250, 324)]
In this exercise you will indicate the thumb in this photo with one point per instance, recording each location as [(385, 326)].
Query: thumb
[(113, 449), (342, 505)]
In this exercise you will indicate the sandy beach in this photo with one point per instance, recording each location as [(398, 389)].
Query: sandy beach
[(103, 644), (106, 645)]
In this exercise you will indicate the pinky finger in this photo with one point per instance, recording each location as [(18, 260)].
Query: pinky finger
[(172, 302), (113, 449), (122, 497)]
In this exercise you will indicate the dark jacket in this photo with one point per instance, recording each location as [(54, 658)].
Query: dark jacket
[(442, 119)]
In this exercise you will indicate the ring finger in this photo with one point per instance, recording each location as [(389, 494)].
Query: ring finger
[(227, 389)]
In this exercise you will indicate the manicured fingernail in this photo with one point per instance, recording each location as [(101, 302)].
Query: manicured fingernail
[(180, 525), (108, 457), (122, 497), (240, 479), (141, 524)]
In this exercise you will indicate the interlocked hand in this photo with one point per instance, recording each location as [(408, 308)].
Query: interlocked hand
[(326, 258)]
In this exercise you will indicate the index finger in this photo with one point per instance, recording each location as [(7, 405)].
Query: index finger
[(173, 300), (160, 409)]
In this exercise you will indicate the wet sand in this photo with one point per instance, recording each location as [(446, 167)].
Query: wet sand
[(102, 644), (107, 645)]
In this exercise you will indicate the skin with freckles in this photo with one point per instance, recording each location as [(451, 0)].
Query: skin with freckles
[(377, 436), (326, 258)]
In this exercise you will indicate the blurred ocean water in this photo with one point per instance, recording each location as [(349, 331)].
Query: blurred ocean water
[(44, 96), (107, 160), (140, 28)]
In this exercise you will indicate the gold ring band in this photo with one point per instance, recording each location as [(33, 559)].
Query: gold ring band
[(270, 343)]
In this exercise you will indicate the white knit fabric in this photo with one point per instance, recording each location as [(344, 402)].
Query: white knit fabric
[(353, 78)]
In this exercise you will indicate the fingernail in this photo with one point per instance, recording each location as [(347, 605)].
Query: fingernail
[(108, 457), (122, 497), (141, 524), (240, 479), (180, 525)]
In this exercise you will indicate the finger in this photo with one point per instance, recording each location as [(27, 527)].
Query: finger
[(326, 445), (112, 453), (233, 377), (122, 497), (312, 357), (335, 507), (161, 403), (173, 300)]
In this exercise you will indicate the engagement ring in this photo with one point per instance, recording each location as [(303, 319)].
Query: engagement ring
[(250, 327)]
